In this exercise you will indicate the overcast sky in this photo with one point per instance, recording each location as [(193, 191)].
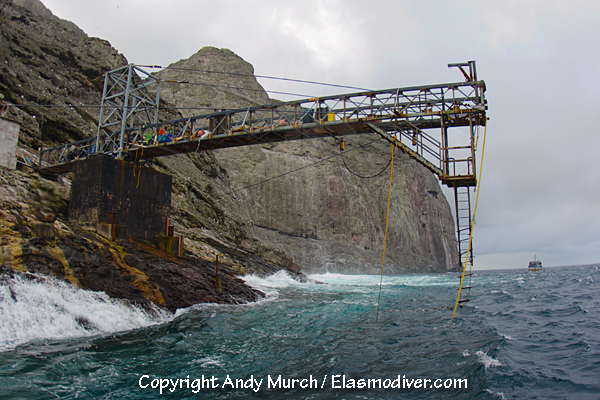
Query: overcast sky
[(540, 59)]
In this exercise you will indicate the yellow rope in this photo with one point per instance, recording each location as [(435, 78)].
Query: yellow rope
[(462, 278), (140, 171), (386, 228), (136, 153)]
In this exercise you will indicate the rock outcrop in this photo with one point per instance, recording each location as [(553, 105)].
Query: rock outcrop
[(50, 72), (35, 237), (49, 61), (324, 217)]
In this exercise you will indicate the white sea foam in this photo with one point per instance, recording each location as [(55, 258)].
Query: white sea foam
[(387, 280), (209, 361), (271, 284), (280, 279), (500, 395), (486, 360), (46, 308)]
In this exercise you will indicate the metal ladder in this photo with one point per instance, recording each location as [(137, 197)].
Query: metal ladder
[(464, 225)]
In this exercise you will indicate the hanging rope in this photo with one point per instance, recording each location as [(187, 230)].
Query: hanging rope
[(462, 278), (386, 228), (298, 169), (139, 174), (140, 170), (364, 177)]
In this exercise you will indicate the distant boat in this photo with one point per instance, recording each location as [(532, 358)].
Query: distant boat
[(535, 265)]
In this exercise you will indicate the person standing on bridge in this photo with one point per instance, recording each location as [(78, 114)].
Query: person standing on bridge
[(163, 137)]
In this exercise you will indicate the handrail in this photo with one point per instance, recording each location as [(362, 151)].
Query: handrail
[(410, 114)]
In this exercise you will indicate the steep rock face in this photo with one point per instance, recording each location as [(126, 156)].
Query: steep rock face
[(201, 187), (329, 219), (323, 216), (50, 71), (48, 61), (213, 79), (202, 193)]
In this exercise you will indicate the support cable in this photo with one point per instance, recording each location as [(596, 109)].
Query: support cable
[(386, 228), (232, 192), (360, 176), (236, 88), (89, 83), (462, 278), (255, 76)]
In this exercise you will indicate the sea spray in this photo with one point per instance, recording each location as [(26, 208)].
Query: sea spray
[(271, 284), (41, 307)]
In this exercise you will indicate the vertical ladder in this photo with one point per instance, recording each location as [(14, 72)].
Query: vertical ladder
[(464, 225)]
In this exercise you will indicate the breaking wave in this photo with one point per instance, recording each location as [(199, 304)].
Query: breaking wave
[(36, 308)]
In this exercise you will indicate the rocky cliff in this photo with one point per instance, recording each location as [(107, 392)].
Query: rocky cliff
[(49, 61), (51, 77), (323, 218), (330, 216), (36, 238)]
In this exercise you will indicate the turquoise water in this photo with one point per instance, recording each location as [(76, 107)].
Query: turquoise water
[(523, 335)]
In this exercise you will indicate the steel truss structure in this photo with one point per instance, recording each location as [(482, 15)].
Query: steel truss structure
[(130, 98), (435, 124)]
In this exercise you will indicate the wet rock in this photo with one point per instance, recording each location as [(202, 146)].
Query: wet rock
[(134, 271)]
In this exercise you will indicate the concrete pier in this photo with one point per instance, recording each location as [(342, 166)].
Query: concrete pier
[(119, 198)]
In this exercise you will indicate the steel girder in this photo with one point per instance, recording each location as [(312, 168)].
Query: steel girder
[(130, 98), (420, 119)]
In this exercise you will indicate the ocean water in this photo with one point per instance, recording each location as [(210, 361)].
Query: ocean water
[(523, 336)]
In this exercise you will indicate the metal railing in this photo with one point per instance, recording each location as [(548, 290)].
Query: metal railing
[(419, 118)]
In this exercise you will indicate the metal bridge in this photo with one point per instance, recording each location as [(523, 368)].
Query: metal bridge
[(435, 124)]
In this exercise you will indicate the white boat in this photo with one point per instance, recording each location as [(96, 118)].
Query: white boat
[(535, 265)]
